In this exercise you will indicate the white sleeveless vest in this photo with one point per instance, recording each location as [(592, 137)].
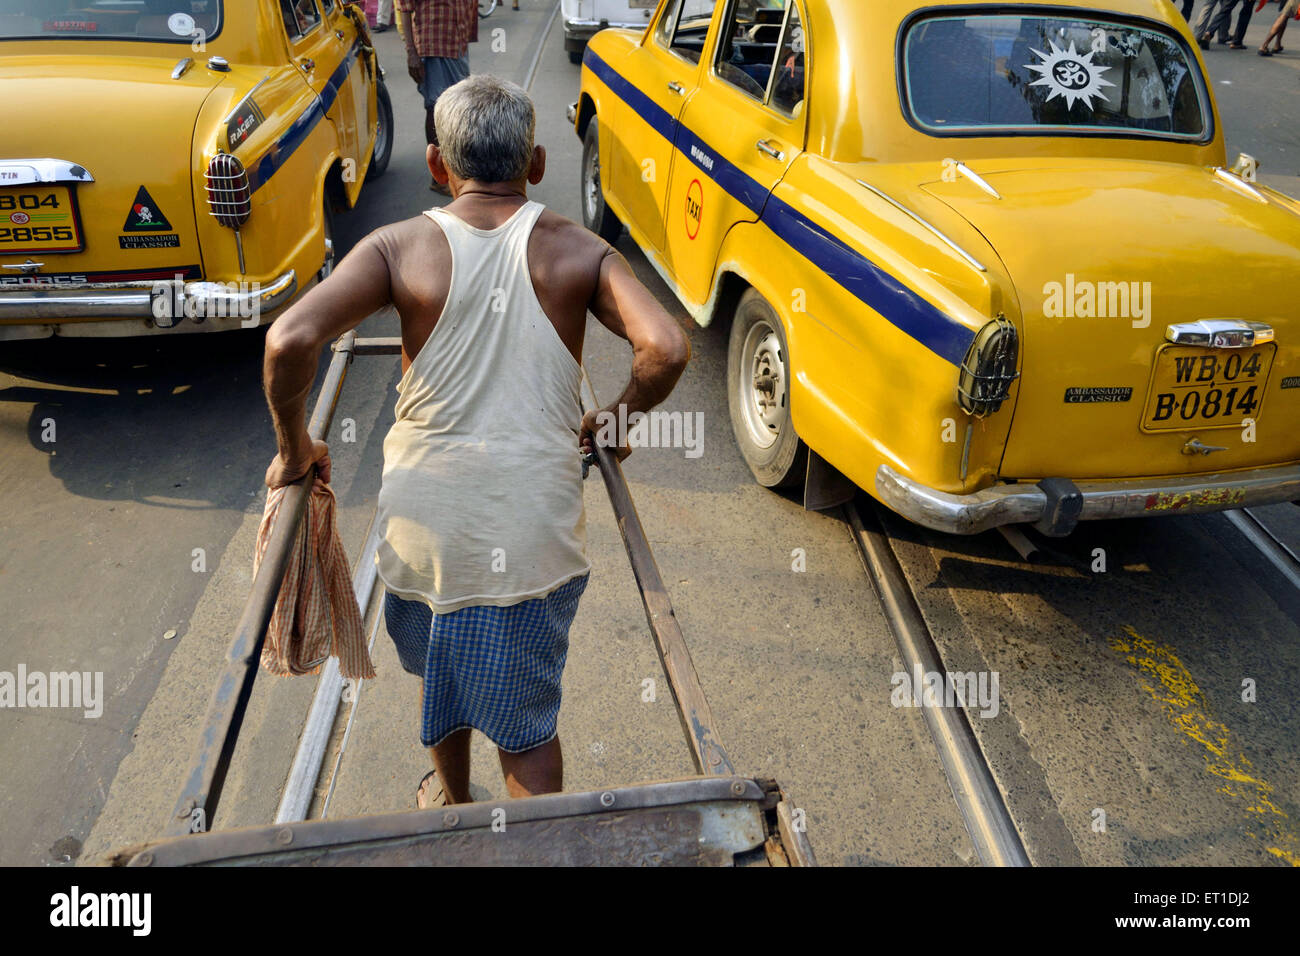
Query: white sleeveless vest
[(481, 501)]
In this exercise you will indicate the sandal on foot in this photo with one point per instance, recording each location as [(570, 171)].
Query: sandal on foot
[(427, 784)]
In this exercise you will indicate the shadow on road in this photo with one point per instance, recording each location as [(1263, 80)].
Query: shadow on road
[(154, 420)]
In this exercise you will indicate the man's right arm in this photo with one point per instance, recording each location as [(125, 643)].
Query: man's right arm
[(660, 349), (414, 64)]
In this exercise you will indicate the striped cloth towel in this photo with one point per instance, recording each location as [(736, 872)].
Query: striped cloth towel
[(316, 614)]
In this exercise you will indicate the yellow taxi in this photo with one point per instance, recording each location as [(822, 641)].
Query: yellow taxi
[(988, 261), (173, 165)]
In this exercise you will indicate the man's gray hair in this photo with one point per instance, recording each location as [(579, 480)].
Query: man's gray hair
[(485, 129)]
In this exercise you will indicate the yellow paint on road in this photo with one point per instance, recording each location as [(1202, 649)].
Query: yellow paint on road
[(1171, 686)]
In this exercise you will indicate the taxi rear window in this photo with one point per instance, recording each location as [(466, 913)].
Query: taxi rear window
[(175, 21), (1000, 74)]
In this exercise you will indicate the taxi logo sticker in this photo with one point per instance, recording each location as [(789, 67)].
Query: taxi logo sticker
[(243, 122), (181, 24), (1071, 75), (694, 208), (170, 241), (145, 216), (1089, 394)]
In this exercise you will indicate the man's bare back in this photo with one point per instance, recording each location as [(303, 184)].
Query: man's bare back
[(564, 261), (408, 265)]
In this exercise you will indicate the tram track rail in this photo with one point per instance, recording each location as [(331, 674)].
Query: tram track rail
[(992, 830), (1266, 543), (984, 810)]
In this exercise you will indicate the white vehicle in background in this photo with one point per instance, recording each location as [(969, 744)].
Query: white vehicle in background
[(583, 19)]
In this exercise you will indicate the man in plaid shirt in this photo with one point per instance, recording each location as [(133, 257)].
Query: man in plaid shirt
[(437, 39)]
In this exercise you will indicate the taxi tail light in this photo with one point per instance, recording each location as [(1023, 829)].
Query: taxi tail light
[(230, 198), (989, 368)]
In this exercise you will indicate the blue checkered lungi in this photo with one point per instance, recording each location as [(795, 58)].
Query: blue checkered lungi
[(496, 669)]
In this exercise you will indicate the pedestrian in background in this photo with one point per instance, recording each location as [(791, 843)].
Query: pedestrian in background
[(1222, 25), (1243, 22), (437, 39), (1279, 27), (384, 16), (1215, 18)]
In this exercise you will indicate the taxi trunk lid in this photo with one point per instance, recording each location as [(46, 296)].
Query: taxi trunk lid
[(1105, 256), (130, 125)]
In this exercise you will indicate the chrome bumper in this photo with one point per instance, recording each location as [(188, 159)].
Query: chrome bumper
[(1056, 505), (196, 301), (581, 30)]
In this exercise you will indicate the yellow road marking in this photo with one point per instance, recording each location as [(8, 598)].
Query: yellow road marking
[(1171, 686)]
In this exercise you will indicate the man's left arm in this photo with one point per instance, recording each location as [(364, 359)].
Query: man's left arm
[(359, 286)]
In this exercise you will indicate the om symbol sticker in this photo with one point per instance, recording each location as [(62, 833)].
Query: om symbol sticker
[(1071, 75)]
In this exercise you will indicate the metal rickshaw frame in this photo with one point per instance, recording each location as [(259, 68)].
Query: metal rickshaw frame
[(714, 818)]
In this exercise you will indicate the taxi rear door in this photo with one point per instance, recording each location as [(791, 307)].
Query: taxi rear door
[(357, 90), (737, 135), (662, 72), (323, 58)]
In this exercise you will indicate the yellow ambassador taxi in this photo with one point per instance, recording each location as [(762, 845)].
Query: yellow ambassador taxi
[(988, 261), (172, 165)]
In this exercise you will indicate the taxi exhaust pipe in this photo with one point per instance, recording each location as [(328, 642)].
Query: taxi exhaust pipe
[(1020, 542)]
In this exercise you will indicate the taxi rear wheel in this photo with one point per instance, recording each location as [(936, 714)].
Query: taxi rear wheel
[(327, 222), (383, 135), (596, 216), (758, 394)]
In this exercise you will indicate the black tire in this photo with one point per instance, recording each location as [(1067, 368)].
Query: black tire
[(596, 216), (575, 57), (383, 135), (760, 414)]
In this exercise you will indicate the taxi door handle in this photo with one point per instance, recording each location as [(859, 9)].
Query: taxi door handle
[(339, 34), (767, 148), (676, 87), (308, 64)]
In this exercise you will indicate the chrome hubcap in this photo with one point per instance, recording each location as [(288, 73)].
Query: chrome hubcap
[(381, 135), (763, 386), (591, 190), (328, 265)]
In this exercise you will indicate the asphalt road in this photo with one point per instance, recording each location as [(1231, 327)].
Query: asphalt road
[(1122, 692)]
